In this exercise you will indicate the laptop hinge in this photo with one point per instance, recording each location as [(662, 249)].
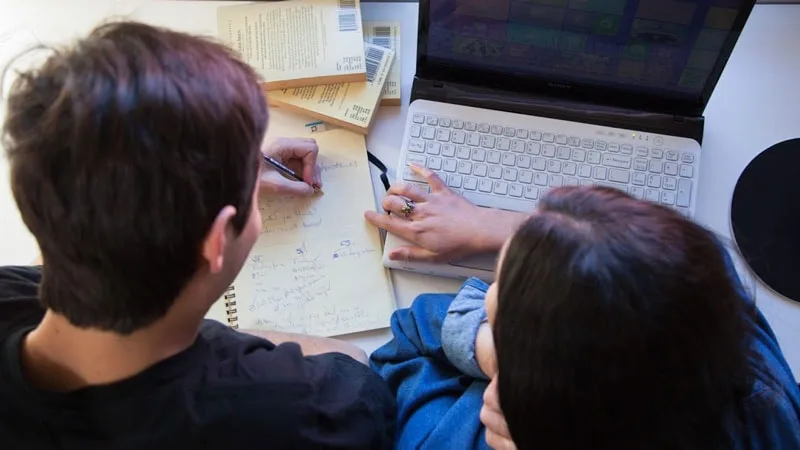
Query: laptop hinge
[(559, 108)]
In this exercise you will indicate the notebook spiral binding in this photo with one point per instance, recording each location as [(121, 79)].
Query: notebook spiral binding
[(230, 306)]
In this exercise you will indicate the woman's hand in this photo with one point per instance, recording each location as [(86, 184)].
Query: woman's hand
[(442, 225), (298, 154), (497, 435)]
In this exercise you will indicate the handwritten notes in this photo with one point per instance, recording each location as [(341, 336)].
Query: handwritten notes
[(317, 268)]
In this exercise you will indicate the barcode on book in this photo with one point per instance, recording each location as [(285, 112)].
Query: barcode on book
[(382, 36), (374, 56), (347, 16)]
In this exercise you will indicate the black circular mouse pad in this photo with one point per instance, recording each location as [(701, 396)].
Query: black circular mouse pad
[(765, 217)]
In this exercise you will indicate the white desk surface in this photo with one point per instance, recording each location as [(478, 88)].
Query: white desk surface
[(756, 104)]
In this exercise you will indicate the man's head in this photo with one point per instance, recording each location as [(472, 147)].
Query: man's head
[(134, 160), (617, 326)]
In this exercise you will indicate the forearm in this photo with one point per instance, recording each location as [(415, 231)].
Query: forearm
[(500, 225), (312, 345)]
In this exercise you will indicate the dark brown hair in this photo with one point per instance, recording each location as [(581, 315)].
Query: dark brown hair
[(123, 150), (618, 327)]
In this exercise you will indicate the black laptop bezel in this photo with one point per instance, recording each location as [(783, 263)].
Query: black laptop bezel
[(585, 92)]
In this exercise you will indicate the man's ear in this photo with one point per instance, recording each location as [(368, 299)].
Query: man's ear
[(216, 240)]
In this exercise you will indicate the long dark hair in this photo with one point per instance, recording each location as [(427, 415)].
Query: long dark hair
[(618, 327)]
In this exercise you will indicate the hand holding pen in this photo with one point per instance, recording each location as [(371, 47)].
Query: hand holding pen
[(291, 167)]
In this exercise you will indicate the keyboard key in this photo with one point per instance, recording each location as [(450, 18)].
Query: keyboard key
[(418, 118), (433, 148), (688, 157), (612, 147), (637, 192), (563, 153), (671, 155), (503, 144), (540, 178), (454, 180), (500, 187), (640, 164), (509, 174), (416, 146), (443, 135), (463, 153), (449, 165), (470, 183), (524, 161), (618, 161), (495, 172), (586, 183), (587, 143), (473, 139), (432, 120), (458, 137), (684, 193), (670, 183), (549, 150), (522, 134), (409, 175), (569, 168), (493, 156), (497, 130), (428, 133), (507, 203), (687, 171), (536, 135), (515, 190), (593, 157), (556, 180), (561, 139), (599, 173), (419, 160), (578, 154), (653, 195), (458, 124), (657, 153), (518, 146), (531, 192), (639, 179), (584, 171), (480, 170), (464, 167), (485, 185), (626, 149), (538, 163), (600, 145), (619, 176), (470, 126), (416, 131), (642, 151), (570, 181), (478, 154), (654, 181), (449, 150), (554, 165), (656, 166), (548, 137), (574, 141), (487, 141), (533, 148), (509, 132), (435, 163), (444, 122), (671, 168), (483, 127), (667, 198), (525, 176), (509, 159)]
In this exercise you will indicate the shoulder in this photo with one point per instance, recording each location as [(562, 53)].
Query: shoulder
[(19, 305)]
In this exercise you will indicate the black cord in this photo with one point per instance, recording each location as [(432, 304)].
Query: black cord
[(382, 167)]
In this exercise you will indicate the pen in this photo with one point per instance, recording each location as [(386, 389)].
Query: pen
[(285, 170)]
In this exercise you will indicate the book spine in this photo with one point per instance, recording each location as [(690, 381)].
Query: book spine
[(230, 306)]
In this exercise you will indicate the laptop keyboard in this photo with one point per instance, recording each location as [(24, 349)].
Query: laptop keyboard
[(512, 168)]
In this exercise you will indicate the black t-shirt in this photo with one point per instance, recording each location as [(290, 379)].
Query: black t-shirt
[(229, 390)]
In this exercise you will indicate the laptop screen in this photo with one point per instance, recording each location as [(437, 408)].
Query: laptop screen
[(659, 47)]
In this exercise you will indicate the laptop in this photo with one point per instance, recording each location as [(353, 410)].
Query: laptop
[(512, 98)]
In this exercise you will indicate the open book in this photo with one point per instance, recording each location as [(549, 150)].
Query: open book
[(317, 266)]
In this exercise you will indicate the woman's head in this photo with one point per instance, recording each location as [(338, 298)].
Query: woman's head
[(617, 326)]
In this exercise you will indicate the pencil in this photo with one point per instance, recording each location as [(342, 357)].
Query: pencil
[(285, 170)]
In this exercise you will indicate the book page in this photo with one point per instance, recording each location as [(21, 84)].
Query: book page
[(299, 42), (387, 34), (317, 266), (349, 105)]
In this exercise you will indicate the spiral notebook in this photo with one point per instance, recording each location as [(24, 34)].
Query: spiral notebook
[(317, 266)]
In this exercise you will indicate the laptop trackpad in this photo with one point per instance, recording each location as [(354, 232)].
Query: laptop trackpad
[(480, 262)]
